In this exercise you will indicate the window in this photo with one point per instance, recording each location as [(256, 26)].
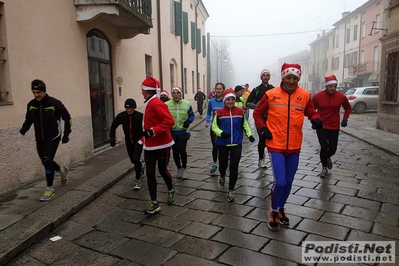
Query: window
[(327, 44), (391, 76), (348, 35), (377, 23), (148, 66), (178, 19), (198, 41), (100, 46), (192, 80), (363, 29), (171, 16), (355, 32), (337, 40), (172, 75), (326, 65), (185, 81), (185, 27), (375, 58), (203, 46), (193, 34), (362, 56), (333, 42)]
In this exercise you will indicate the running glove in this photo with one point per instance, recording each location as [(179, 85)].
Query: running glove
[(225, 135), (317, 123), (344, 122), (186, 123), (264, 134), (148, 133)]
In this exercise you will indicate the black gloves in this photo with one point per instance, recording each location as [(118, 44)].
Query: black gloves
[(65, 139), (186, 123), (22, 132), (225, 135), (251, 138), (344, 122), (112, 142), (264, 133), (148, 133), (317, 123)]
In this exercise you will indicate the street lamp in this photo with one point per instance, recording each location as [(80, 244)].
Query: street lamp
[(224, 53)]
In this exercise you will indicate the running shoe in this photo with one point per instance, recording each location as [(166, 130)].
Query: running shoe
[(329, 163), (230, 196), (179, 173), (142, 170), (214, 168), (273, 221), (283, 219), (324, 172), (64, 175), (222, 180), (183, 173), (137, 185), (154, 208), (172, 197), (262, 163), (47, 195)]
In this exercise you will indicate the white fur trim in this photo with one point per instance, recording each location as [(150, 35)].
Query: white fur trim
[(229, 95), (148, 88), (331, 82)]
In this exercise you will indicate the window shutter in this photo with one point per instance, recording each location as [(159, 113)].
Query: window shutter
[(198, 41), (178, 19), (193, 34), (185, 27), (203, 46)]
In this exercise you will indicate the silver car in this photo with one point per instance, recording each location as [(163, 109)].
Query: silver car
[(363, 98)]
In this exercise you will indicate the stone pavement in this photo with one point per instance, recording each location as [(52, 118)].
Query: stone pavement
[(101, 221)]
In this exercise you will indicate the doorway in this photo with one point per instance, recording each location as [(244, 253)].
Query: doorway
[(100, 84)]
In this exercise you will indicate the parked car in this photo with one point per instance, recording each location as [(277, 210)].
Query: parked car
[(343, 89), (363, 98)]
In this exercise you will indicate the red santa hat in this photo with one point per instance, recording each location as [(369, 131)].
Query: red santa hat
[(331, 80), (199, 89), (264, 71), (165, 92), (290, 69), (176, 88), (150, 84), (228, 93)]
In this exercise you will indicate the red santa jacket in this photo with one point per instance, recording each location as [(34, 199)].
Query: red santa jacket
[(328, 106), (158, 118)]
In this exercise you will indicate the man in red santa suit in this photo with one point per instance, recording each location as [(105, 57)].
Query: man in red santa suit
[(157, 122)]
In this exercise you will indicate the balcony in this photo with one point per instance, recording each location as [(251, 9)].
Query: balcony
[(131, 17), (364, 68)]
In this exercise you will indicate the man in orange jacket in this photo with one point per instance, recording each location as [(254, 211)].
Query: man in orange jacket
[(286, 106)]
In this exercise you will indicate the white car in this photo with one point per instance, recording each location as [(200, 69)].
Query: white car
[(362, 99)]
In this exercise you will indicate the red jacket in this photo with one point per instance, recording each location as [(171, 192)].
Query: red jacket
[(328, 106), (157, 117)]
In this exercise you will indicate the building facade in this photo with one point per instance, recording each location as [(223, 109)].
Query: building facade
[(92, 54), (388, 108)]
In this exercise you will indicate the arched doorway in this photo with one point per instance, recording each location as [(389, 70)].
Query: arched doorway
[(100, 84)]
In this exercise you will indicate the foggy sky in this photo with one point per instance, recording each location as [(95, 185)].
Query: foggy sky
[(274, 22)]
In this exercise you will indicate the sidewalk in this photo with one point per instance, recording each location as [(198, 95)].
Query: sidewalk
[(24, 220)]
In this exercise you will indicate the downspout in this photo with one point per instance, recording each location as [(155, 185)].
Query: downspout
[(358, 53), (159, 41), (182, 55), (196, 50), (343, 61)]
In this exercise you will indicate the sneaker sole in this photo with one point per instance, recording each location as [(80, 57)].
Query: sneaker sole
[(284, 223), (272, 228), (153, 212), (47, 199), (231, 200), (136, 188)]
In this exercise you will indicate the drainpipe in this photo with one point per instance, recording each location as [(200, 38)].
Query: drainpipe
[(343, 61), (182, 55), (196, 51), (159, 41)]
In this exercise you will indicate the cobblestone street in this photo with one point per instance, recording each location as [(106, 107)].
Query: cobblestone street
[(358, 201)]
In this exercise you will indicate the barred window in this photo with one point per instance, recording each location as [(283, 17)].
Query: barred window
[(391, 76)]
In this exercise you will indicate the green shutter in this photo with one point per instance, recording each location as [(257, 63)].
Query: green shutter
[(198, 41), (203, 46), (193, 35), (178, 19), (185, 27)]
